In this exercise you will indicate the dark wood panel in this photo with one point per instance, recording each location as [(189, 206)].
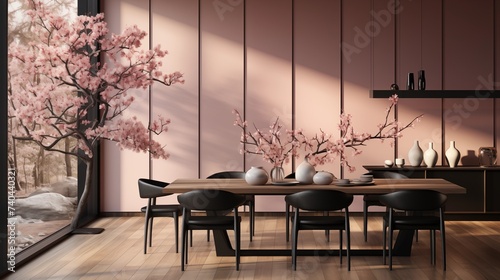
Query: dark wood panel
[(493, 191)]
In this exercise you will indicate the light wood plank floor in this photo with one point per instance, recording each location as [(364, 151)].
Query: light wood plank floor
[(473, 253)]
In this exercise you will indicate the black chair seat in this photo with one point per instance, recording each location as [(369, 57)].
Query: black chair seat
[(164, 210), (321, 222), (415, 222), (421, 206), (320, 201), (221, 201), (227, 221), (152, 189), (249, 198)]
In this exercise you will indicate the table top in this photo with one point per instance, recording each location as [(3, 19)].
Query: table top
[(379, 186)]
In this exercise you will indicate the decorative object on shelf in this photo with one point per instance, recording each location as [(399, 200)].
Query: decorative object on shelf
[(277, 174), (400, 162), (256, 175), (415, 154), (410, 82), (421, 80), (305, 172), (323, 178), (487, 156), (388, 163), (430, 156), (452, 155), (394, 87)]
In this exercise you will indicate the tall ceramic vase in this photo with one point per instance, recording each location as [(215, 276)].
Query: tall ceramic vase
[(415, 154), (430, 156), (305, 172), (452, 155)]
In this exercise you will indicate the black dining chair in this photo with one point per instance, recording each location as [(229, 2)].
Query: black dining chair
[(372, 199), (423, 204), (152, 189), (325, 201), (250, 199), (213, 203)]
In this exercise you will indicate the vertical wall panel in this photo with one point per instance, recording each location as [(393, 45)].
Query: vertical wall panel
[(222, 65), (419, 47), (358, 33), (497, 71), (269, 74), (121, 169), (468, 60), (175, 27), (317, 68)]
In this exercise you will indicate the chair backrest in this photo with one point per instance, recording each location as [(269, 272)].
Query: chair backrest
[(414, 200), (387, 174), (210, 200), (319, 200), (228, 174), (290, 176), (149, 188)]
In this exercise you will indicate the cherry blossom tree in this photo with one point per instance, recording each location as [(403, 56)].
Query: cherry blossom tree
[(77, 68)]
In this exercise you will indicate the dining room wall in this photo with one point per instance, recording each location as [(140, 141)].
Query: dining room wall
[(304, 62)]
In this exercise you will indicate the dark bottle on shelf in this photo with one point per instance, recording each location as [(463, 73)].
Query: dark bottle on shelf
[(410, 83), (421, 80)]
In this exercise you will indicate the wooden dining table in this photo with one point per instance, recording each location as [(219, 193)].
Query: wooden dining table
[(402, 246)]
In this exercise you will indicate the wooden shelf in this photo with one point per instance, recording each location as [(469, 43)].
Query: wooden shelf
[(436, 93)]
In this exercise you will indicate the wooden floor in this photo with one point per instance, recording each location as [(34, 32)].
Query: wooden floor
[(473, 253)]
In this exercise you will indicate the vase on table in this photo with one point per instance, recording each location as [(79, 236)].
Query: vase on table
[(452, 155), (256, 175), (305, 172), (430, 156), (277, 174), (415, 154)]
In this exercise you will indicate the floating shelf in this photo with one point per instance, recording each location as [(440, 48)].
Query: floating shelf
[(436, 93)]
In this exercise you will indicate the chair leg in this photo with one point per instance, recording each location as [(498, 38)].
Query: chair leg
[(287, 222), (390, 247), (208, 237), (237, 237), (433, 247), (251, 210), (151, 232), (146, 226), (176, 228), (340, 246), (295, 237), (416, 235), (384, 246), (443, 246), (183, 246), (348, 249)]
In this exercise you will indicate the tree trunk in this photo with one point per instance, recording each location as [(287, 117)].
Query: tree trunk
[(67, 158), (82, 202)]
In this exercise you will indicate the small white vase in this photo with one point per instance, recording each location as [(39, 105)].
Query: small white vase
[(256, 175), (430, 156), (452, 155), (323, 178), (415, 154), (305, 172)]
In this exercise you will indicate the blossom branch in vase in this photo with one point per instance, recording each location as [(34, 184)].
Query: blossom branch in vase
[(269, 145), (323, 149)]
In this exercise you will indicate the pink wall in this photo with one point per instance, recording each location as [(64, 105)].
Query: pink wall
[(304, 63)]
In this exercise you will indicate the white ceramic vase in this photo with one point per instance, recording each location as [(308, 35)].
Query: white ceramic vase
[(415, 154), (256, 175), (323, 178), (452, 155), (305, 172), (430, 156)]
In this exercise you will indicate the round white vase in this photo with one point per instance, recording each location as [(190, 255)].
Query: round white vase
[(323, 178), (305, 172), (430, 156), (256, 175), (415, 154), (452, 155)]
